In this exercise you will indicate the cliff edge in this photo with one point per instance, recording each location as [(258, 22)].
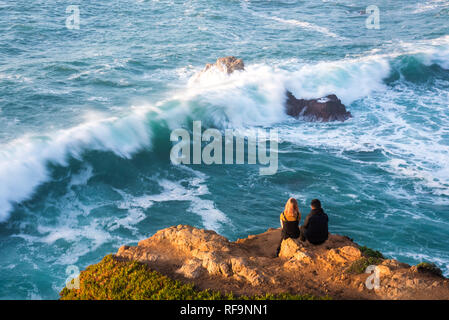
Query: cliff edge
[(249, 267)]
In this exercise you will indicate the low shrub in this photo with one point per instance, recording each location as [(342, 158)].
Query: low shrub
[(430, 268), (371, 253), (360, 265)]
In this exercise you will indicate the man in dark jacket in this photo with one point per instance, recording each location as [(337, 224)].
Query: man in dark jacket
[(315, 228)]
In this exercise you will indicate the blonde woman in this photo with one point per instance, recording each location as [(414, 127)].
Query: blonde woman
[(290, 218)]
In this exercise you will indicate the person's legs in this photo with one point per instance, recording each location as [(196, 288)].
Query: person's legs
[(302, 233), (283, 236)]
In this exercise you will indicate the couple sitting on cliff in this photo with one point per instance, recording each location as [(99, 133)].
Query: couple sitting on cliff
[(314, 228)]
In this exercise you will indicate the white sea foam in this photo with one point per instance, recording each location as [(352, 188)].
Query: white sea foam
[(413, 149), (82, 177), (134, 216), (85, 238), (430, 5), (441, 261), (250, 98), (305, 25), (256, 96), (23, 162), (294, 22), (71, 225), (190, 190)]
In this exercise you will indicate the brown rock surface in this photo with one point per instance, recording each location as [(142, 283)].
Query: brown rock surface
[(227, 64), (249, 266)]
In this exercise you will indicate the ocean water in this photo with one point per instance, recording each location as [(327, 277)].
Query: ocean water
[(86, 116)]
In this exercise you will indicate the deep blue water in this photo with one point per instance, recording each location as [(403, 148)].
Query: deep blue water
[(86, 115)]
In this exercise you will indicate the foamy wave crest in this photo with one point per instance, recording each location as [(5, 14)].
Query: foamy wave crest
[(23, 163), (254, 97), (257, 95), (438, 56), (348, 79), (251, 97)]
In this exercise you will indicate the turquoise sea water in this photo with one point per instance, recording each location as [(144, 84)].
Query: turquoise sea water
[(86, 115)]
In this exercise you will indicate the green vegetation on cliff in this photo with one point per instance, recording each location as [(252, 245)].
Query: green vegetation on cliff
[(359, 266), (112, 279), (429, 267), (371, 253), (370, 257)]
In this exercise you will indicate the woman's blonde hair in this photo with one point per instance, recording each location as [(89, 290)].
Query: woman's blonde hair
[(291, 210)]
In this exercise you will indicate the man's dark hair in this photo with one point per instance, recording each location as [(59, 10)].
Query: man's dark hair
[(316, 203)]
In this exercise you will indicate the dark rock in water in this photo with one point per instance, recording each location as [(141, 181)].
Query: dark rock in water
[(325, 109), (227, 64)]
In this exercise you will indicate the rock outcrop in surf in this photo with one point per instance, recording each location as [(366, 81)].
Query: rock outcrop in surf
[(336, 268), (227, 64), (324, 109)]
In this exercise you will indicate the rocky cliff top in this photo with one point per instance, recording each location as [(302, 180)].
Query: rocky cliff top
[(248, 266)]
